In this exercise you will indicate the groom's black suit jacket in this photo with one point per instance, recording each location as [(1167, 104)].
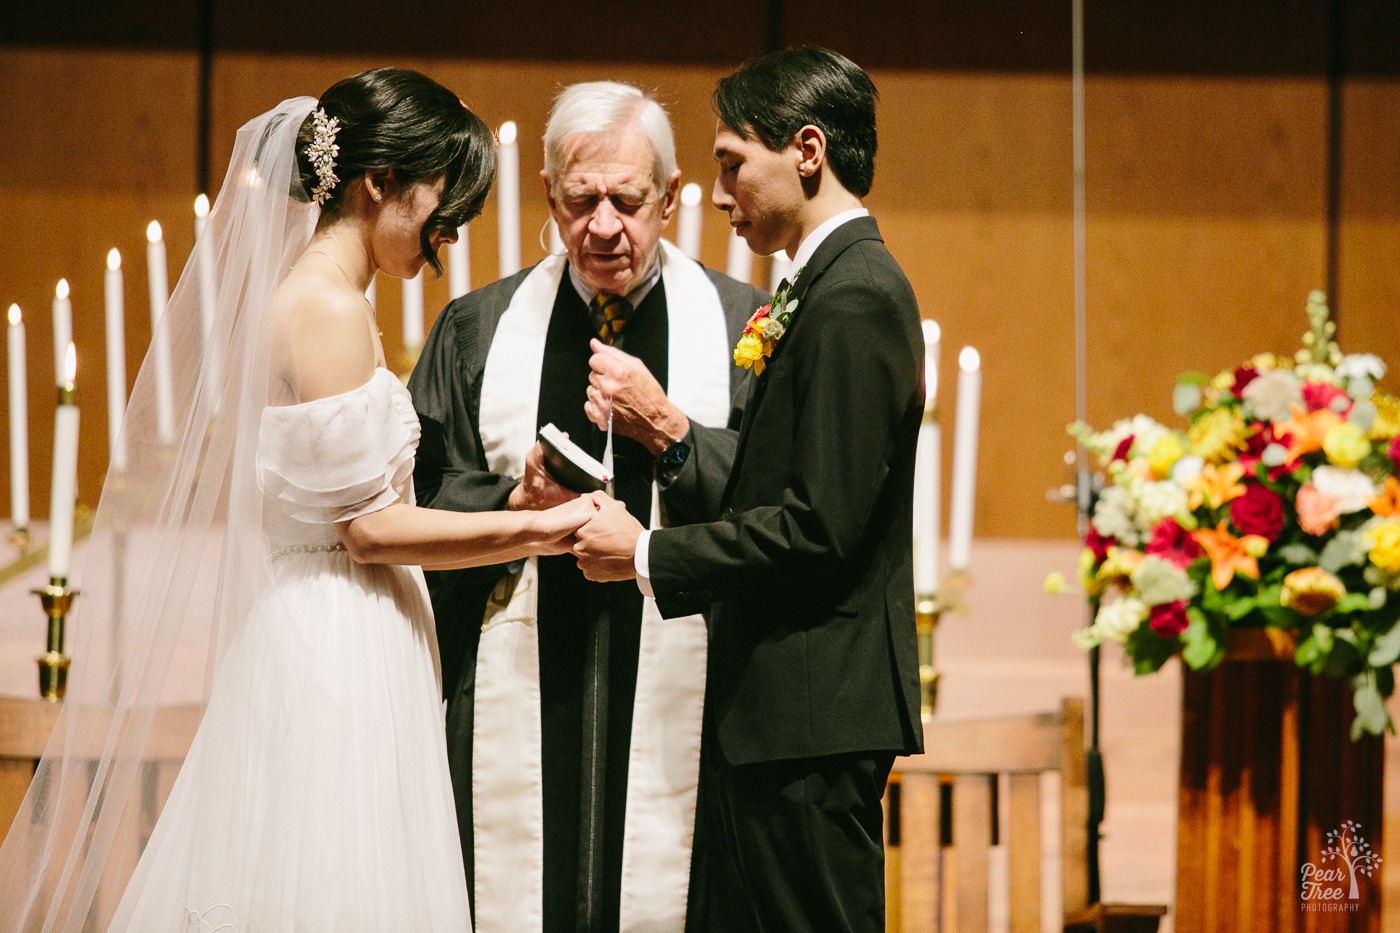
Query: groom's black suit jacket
[(812, 648)]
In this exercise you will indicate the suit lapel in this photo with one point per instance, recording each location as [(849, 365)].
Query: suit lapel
[(839, 240)]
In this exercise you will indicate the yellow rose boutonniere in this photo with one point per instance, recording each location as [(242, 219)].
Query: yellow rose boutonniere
[(763, 331)]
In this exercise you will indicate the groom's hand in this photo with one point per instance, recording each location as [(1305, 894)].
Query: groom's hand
[(606, 546), (538, 490), (640, 408)]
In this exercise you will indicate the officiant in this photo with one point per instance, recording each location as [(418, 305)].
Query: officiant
[(573, 710)]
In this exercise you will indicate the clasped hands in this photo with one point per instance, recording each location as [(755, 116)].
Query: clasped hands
[(605, 543)]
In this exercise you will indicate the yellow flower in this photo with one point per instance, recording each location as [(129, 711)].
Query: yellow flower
[(1384, 542), (1311, 591), (1224, 380), (1088, 578), (1216, 485), (1054, 583), (1263, 362), (1387, 423), (1119, 564), (1216, 435), (750, 352), (1345, 445), (1165, 451)]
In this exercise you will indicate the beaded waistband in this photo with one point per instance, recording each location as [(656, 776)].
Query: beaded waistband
[(307, 549)]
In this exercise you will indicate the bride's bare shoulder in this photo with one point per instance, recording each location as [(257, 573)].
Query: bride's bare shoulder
[(326, 331)]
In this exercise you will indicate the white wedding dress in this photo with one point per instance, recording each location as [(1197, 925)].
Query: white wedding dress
[(315, 797)]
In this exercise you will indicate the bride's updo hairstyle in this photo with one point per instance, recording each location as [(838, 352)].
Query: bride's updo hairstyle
[(400, 121)]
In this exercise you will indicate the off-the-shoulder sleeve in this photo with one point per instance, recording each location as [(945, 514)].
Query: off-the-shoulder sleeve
[(340, 457)]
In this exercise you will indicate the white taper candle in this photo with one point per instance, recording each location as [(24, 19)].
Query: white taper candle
[(65, 471), (19, 421), (116, 359), (159, 281), (969, 403), (927, 475), (688, 223), (508, 198)]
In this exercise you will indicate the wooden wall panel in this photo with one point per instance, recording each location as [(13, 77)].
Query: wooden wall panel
[(1207, 219), (95, 145), (1369, 232), (1206, 229)]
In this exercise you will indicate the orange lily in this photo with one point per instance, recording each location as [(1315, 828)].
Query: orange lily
[(1387, 504), (1308, 430), (1230, 555), (1216, 485)]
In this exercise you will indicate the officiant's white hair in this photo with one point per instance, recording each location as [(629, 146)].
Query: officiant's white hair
[(603, 106)]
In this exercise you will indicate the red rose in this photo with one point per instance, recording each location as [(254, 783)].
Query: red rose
[(1258, 512), (1168, 619), (1243, 377), (1099, 544), (1320, 395), (1394, 451), (1173, 544), (1121, 451), (1261, 437)]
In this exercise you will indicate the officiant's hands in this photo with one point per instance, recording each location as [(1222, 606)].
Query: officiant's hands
[(537, 489), (605, 546), (640, 408)]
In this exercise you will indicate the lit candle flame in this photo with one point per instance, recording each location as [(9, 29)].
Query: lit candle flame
[(690, 194), (153, 232), (969, 359), (507, 133), (14, 314), (201, 206), (114, 259), (61, 290)]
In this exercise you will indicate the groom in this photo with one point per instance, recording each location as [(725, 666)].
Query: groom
[(813, 684)]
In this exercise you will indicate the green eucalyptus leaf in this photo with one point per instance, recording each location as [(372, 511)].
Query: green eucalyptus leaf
[(1201, 649), (1386, 650), (1371, 715)]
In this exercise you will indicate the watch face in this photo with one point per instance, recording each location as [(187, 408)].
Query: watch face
[(674, 457)]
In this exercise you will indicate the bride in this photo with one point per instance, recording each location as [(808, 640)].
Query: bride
[(280, 556)]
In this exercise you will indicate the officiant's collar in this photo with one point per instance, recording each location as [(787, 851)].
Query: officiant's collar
[(634, 298)]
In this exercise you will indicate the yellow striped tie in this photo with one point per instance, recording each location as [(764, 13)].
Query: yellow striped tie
[(609, 314)]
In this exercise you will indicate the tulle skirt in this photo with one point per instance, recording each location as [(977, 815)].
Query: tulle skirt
[(316, 795)]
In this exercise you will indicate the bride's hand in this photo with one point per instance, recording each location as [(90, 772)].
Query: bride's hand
[(557, 525)]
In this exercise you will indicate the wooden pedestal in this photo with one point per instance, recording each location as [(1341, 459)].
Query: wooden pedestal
[(1268, 770)]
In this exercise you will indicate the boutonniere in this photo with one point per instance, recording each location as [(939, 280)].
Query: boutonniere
[(763, 331)]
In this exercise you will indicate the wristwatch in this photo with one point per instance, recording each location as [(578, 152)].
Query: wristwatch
[(673, 458)]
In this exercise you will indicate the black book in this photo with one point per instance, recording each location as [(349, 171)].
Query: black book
[(570, 465)]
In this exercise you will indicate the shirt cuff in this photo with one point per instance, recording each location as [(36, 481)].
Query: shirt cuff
[(642, 564)]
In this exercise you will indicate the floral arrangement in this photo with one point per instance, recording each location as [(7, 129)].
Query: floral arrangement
[(764, 329), (1278, 506)]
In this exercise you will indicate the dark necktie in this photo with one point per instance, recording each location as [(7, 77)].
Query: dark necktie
[(609, 314)]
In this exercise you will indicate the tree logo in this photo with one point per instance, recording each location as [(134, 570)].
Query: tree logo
[(1331, 883)]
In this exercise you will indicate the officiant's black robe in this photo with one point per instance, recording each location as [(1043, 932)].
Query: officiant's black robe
[(452, 473)]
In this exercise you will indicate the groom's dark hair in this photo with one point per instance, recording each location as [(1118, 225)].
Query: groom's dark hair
[(773, 97)]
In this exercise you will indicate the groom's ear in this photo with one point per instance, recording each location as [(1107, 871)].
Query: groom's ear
[(810, 143)]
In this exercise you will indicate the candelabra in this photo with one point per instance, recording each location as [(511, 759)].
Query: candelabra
[(57, 599), (928, 612)]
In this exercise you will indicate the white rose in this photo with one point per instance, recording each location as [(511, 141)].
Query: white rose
[(1361, 366), (1351, 488), (1156, 501), (1269, 395), (1113, 516), (1120, 618)]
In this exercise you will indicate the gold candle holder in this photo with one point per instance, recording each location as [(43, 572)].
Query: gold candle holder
[(410, 360), (19, 540), (57, 600), (926, 617), (928, 612)]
